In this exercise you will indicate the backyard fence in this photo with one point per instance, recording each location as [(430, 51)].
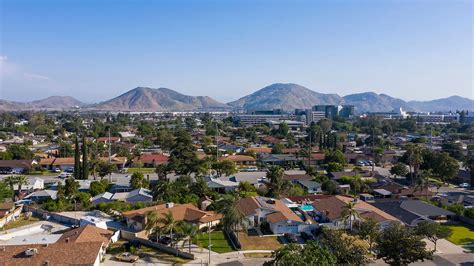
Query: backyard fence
[(10, 217)]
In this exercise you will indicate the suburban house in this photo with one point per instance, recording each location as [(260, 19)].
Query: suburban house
[(312, 187), (85, 245), (240, 160), (137, 195), (16, 166), (330, 210), (411, 212), (137, 219), (102, 198), (279, 217), (294, 178), (106, 140), (449, 198), (151, 160), (42, 195), (220, 185), (278, 159), (259, 150)]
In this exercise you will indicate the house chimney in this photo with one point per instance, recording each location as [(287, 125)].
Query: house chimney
[(67, 240), (169, 205)]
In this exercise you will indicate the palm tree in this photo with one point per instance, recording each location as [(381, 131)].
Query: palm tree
[(350, 212), (20, 181), (234, 219), (152, 224), (415, 159), (163, 190), (168, 224), (188, 231), (11, 181)]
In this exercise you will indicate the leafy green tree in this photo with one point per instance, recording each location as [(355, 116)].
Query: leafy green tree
[(84, 199), (277, 149), (335, 156), (162, 170), (334, 167), (369, 229), (445, 167), (71, 187), (228, 167), (329, 186), (137, 180), (183, 157), (348, 249), (399, 169), (310, 254), (247, 190), (433, 231), (11, 181), (5, 191), (97, 188), (399, 245), (415, 159), (163, 190), (105, 169), (19, 152)]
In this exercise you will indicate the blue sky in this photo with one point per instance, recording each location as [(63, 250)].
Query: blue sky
[(97, 49)]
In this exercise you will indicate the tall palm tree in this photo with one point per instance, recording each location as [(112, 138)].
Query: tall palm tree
[(234, 219), (20, 181), (415, 159), (188, 231), (152, 224), (168, 224), (350, 212), (11, 181)]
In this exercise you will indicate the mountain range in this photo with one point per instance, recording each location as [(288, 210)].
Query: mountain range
[(286, 96)]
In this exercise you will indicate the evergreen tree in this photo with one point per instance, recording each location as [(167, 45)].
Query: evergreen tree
[(85, 163), (77, 158)]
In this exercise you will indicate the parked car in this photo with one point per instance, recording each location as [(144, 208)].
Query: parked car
[(69, 170), (126, 256), (57, 170), (64, 175), (307, 236), (464, 185), (291, 238)]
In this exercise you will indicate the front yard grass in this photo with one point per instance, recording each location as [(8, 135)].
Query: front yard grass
[(462, 234), (141, 170), (20, 221), (219, 242), (259, 243), (258, 255)]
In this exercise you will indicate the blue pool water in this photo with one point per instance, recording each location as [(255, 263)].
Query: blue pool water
[(306, 208)]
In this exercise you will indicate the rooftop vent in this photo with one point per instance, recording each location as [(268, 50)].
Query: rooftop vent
[(169, 205)]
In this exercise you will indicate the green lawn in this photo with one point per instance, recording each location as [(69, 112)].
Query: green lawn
[(462, 234), (21, 221), (219, 242), (141, 170)]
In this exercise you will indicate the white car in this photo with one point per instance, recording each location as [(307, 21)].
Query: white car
[(464, 185), (65, 175)]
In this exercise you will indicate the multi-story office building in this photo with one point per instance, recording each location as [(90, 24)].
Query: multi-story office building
[(347, 111)]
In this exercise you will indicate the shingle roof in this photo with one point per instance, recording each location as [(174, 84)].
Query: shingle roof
[(333, 206), (424, 209), (87, 233), (281, 212)]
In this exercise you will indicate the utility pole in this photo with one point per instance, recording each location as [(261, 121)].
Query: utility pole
[(431, 137), (373, 151), (217, 141)]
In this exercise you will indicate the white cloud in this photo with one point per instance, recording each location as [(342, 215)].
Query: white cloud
[(36, 76)]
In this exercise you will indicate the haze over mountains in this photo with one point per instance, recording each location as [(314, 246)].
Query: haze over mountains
[(287, 96)]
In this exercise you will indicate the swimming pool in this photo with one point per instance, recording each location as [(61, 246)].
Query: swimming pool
[(306, 207)]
